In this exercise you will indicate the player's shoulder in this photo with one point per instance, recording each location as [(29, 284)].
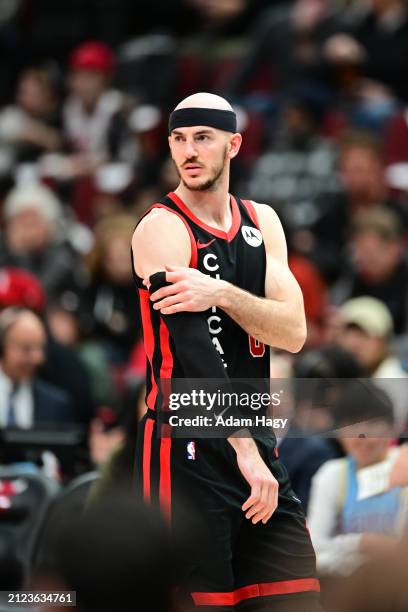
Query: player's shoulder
[(159, 223), (270, 226), (266, 213)]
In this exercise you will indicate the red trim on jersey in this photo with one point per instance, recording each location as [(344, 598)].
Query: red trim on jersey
[(232, 598), (147, 451), (165, 472), (166, 368), (148, 340), (251, 212), (236, 218)]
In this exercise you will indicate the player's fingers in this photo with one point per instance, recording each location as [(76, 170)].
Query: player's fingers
[(170, 301), (180, 307), (263, 508), (166, 291), (254, 497), (256, 509), (271, 504), (275, 494)]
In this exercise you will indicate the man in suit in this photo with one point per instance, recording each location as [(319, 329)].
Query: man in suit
[(25, 401)]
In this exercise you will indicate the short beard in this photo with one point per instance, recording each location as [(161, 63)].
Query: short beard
[(212, 183)]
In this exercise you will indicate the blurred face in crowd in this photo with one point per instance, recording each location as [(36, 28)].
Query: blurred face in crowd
[(362, 175), (372, 446), (200, 154), (116, 261), (24, 347), (27, 232), (368, 350), (34, 94), (88, 86), (219, 10), (299, 122), (375, 259)]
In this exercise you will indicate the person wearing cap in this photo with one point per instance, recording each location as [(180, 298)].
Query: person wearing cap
[(377, 265), (91, 104), (366, 331), (354, 514), (32, 238)]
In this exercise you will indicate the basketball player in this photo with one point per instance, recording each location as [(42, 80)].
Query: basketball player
[(215, 291)]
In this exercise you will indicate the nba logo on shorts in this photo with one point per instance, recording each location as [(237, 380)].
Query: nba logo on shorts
[(191, 451)]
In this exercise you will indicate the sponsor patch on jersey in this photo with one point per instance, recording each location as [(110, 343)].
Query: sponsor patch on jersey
[(252, 235), (191, 450)]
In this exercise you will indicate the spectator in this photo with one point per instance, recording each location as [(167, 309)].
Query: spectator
[(32, 125), (377, 265), (315, 296), (62, 366), (303, 450), (361, 187), (111, 310), (288, 40), (113, 448), (366, 332), (20, 288), (92, 104), (352, 515), (300, 163), (33, 238), (379, 41), (25, 400)]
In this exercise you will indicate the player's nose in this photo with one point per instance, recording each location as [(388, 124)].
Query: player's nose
[(190, 149)]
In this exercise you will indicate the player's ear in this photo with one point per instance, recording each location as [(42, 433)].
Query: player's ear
[(234, 145)]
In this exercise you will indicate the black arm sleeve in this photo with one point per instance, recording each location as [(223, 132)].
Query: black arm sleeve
[(197, 355), (196, 352)]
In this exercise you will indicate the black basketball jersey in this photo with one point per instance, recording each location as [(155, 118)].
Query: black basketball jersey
[(237, 256)]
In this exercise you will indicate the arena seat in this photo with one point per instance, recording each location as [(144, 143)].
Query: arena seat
[(24, 500)]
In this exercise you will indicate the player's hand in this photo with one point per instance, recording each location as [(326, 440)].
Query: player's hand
[(190, 291), (263, 500)]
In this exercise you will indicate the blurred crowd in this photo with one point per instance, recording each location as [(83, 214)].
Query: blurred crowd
[(321, 94)]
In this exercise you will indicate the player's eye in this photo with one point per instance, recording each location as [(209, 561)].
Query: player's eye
[(202, 137)]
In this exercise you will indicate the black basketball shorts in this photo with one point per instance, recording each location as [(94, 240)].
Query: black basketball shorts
[(232, 564)]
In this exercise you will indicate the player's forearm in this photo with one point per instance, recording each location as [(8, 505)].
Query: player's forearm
[(243, 445), (278, 324)]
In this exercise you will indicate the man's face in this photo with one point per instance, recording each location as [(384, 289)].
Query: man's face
[(200, 155), (375, 259), (27, 232), (367, 442), (362, 175), (87, 85), (368, 350), (24, 348)]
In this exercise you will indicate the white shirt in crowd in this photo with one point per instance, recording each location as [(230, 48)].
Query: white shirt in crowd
[(339, 554), (23, 403)]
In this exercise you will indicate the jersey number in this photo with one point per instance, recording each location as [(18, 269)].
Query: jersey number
[(256, 348)]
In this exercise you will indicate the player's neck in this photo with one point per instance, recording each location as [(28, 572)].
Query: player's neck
[(212, 206)]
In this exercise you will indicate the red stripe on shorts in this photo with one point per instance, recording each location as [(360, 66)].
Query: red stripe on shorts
[(265, 589)]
